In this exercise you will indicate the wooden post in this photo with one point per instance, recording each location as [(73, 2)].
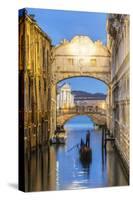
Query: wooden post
[(105, 131), (102, 136)]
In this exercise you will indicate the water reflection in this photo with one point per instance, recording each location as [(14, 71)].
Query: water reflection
[(40, 170), (58, 167)]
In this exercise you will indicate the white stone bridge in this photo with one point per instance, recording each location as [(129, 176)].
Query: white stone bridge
[(80, 57), (97, 114)]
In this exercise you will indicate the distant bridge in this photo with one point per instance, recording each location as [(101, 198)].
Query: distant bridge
[(97, 114)]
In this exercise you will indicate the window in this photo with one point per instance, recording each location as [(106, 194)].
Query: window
[(29, 92), (93, 61), (22, 50), (71, 61), (43, 56), (45, 85), (27, 48), (47, 58)]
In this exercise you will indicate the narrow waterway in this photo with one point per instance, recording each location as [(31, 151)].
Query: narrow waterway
[(59, 167)]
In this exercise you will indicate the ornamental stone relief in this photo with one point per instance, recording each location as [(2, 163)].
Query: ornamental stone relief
[(81, 57)]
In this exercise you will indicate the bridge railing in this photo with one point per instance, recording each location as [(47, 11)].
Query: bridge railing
[(81, 110)]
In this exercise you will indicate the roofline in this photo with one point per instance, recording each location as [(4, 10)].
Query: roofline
[(26, 16)]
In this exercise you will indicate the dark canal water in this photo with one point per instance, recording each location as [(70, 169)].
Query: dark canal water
[(59, 167)]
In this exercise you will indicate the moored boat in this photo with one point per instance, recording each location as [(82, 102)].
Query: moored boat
[(61, 138), (53, 140), (58, 138)]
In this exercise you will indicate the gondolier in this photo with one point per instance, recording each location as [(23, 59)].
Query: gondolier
[(88, 139)]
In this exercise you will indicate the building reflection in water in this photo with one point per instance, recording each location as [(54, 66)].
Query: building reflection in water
[(115, 171), (40, 170)]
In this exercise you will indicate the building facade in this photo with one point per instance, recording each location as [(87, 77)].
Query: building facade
[(34, 89), (65, 99), (90, 102), (118, 43)]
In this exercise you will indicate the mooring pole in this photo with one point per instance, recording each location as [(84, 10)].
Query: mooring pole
[(105, 136), (102, 136)]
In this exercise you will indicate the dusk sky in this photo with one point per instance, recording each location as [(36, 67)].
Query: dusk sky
[(66, 24)]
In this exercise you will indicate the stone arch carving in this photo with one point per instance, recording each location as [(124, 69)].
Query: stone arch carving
[(81, 57), (85, 76), (97, 118)]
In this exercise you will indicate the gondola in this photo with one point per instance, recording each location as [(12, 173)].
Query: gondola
[(85, 153)]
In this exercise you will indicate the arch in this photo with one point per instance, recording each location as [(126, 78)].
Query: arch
[(76, 116), (97, 118), (58, 76), (83, 76)]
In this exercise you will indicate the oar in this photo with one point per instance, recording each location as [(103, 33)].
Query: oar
[(73, 147)]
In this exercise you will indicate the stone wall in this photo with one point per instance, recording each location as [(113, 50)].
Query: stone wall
[(34, 92), (118, 43)]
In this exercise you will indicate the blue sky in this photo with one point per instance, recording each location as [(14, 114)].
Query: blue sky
[(66, 24), (86, 84)]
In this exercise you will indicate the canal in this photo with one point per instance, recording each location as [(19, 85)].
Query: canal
[(59, 167)]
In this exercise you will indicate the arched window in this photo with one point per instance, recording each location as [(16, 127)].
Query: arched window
[(47, 60), (43, 56), (27, 48), (21, 51)]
